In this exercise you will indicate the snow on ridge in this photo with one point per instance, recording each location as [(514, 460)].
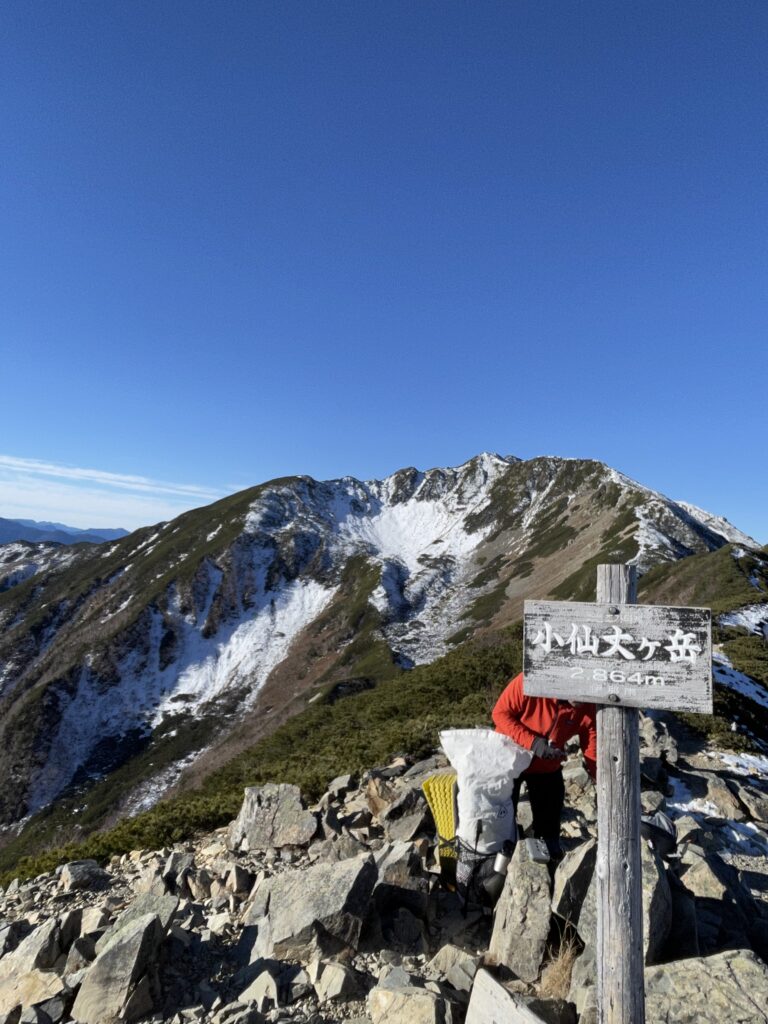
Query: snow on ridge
[(752, 617), (13, 550), (725, 674), (363, 516), (627, 482), (407, 530), (152, 790), (252, 648), (740, 837), (755, 579), (718, 524)]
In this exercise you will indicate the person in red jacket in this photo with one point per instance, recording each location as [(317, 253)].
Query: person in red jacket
[(544, 725)]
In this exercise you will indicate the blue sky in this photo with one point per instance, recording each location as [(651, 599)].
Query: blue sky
[(244, 240)]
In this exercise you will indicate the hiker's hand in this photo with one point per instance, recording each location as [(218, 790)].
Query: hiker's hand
[(543, 748)]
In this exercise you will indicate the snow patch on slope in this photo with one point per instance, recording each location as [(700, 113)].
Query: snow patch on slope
[(753, 617), (155, 788), (18, 562), (738, 837), (650, 540), (725, 674), (250, 650), (239, 658), (683, 801), (747, 764)]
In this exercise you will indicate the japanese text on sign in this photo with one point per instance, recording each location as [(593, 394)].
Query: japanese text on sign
[(616, 642)]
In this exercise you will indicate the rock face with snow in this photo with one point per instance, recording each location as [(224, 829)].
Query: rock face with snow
[(237, 610)]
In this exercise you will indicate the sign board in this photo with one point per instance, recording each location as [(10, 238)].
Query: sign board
[(631, 655)]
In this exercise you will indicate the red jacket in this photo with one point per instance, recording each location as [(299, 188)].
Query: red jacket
[(524, 718)]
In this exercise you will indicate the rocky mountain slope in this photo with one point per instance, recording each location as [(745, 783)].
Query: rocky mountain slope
[(181, 643), (338, 912)]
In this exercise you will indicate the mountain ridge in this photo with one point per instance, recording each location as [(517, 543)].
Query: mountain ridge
[(169, 639), (32, 531)]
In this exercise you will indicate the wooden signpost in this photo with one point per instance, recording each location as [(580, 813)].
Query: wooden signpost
[(620, 656)]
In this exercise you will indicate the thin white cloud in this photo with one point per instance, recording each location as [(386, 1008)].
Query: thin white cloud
[(36, 467), (34, 489)]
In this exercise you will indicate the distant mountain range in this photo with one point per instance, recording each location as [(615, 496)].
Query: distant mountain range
[(170, 648), (39, 532)]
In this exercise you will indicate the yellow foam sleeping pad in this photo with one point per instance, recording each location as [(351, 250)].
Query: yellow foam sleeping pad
[(440, 791)]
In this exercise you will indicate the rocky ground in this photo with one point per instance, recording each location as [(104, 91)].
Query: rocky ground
[(338, 913)]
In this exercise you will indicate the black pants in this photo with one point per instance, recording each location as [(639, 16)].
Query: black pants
[(546, 793)]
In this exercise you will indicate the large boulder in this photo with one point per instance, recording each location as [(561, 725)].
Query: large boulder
[(162, 906), (83, 874), (408, 1005), (262, 988), (27, 989), (116, 987), (336, 982), (754, 799), (492, 1002), (26, 975), (572, 880), (721, 798), (316, 911), (11, 934), (683, 939), (522, 920), (657, 907), (177, 867), (272, 816), (399, 899), (40, 949), (722, 906), (730, 986), (453, 965), (583, 982)]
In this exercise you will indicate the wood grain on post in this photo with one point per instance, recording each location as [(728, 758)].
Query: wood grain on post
[(620, 978)]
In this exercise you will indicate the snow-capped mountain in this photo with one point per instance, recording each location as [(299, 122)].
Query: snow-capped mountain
[(234, 615)]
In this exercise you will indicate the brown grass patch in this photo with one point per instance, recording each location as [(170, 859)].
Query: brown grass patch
[(556, 976)]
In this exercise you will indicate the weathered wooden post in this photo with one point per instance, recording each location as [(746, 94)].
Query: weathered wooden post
[(620, 985)]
